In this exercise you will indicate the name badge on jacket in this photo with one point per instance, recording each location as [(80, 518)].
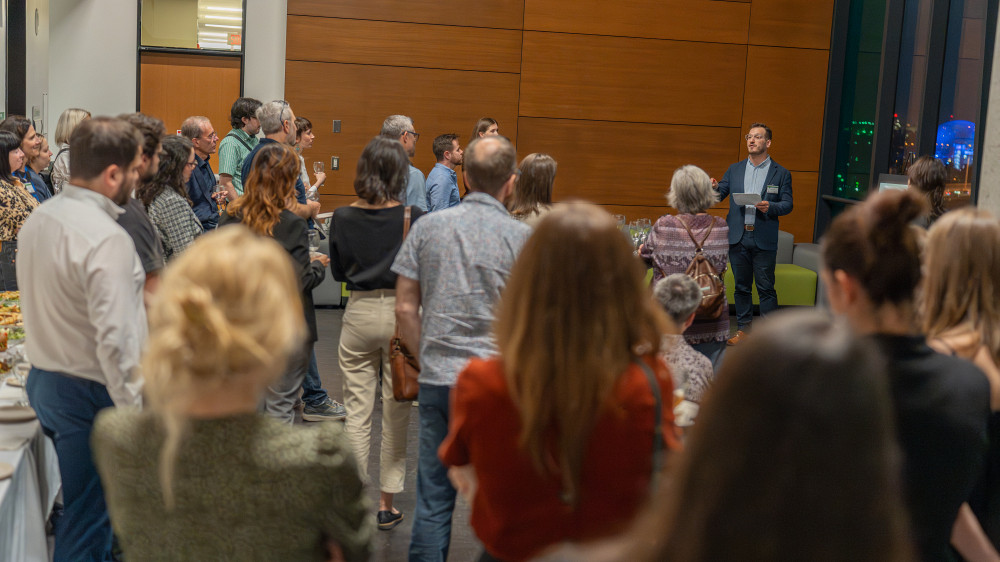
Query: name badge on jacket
[(772, 190)]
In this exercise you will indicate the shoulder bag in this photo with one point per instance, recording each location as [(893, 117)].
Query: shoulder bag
[(405, 367)]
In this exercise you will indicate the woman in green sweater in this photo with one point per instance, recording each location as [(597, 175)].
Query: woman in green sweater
[(200, 475)]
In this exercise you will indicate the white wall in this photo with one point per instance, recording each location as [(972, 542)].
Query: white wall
[(989, 178), (92, 48), (264, 49), (36, 41)]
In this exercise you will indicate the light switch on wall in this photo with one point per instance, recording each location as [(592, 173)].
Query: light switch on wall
[(335, 162)]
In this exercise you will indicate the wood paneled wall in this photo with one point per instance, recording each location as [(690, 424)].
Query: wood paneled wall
[(620, 94), (174, 87)]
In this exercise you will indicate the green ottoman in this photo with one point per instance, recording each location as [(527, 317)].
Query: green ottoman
[(796, 286)]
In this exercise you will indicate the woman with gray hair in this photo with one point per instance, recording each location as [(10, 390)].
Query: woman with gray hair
[(680, 295), (673, 241)]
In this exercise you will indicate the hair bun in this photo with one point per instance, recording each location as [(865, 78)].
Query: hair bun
[(893, 211)]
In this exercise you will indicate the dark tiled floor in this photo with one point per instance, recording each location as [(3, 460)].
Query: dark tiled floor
[(389, 545)]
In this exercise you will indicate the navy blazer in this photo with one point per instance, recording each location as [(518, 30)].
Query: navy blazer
[(766, 224)]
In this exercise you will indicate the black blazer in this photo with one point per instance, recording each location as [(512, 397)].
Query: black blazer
[(766, 234), (291, 233)]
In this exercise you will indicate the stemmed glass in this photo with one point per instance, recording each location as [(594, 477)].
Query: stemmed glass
[(313, 241), (221, 197), (317, 167)]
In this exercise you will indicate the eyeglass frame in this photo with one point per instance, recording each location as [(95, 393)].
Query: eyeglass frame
[(416, 135)]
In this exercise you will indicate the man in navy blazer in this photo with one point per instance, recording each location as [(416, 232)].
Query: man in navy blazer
[(753, 229)]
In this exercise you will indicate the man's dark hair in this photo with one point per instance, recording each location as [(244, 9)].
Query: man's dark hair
[(442, 144), (100, 142), (17, 124), (489, 163), (767, 130), (152, 129), (243, 107)]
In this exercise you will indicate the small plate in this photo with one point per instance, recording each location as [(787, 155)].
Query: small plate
[(6, 470), (14, 381), (16, 414)]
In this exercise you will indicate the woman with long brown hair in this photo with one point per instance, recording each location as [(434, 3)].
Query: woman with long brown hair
[(793, 457), (200, 474), (558, 432), (871, 269), (267, 191), (928, 175), (166, 198), (961, 317), (532, 197)]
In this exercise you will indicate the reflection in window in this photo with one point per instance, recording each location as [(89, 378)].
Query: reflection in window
[(859, 99), (961, 91), (192, 24), (911, 78)]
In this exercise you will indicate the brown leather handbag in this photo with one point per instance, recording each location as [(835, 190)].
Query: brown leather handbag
[(405, 367)]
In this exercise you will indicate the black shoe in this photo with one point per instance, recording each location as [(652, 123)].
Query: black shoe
[(387, 519)]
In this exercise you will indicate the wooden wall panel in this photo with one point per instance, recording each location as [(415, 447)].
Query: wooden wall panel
[(174, 87), (404, 44), (362, 96), (687, 20), (802, 219), (676, 82), (505, 14), (791, 23), (623, 163), (786, 88)]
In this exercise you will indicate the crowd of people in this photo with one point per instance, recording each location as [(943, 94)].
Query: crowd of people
[(171, 328)]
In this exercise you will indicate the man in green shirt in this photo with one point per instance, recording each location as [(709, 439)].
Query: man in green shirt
[(237, 144)]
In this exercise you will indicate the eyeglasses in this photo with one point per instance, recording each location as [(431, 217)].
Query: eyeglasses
[(281, 115), (757, 137), (191, 164), (416, 136)]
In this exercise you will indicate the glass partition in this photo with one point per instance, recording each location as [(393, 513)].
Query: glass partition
[(214, 25)]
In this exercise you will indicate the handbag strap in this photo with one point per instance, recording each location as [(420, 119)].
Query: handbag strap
[(697, 246), (657, 423), (406, 230)]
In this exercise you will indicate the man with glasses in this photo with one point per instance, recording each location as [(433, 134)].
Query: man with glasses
[(277, 121), (753, 229), (400, 127), (202, 183)]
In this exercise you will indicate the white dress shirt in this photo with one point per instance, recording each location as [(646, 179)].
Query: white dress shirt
[(81, 285)]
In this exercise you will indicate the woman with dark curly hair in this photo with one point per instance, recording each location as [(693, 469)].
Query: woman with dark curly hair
[(166, 200)]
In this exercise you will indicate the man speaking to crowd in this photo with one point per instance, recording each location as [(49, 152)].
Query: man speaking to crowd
[(753, 228)]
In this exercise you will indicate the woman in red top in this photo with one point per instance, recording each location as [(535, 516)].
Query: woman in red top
[(553, 440)]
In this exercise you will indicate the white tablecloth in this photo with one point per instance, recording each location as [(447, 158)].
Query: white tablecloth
[(27, 497)]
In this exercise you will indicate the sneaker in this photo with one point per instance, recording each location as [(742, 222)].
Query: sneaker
[(387, 519), (740, 335), (328, 410)]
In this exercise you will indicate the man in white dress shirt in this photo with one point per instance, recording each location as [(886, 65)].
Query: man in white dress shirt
[(81, 295)]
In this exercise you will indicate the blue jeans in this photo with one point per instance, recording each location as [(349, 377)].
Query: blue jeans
[(752, 265), (66, 408), (431, 532), (713, 350), (312, 389)]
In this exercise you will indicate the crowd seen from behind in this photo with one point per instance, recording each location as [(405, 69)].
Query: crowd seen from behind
[(583, 414)]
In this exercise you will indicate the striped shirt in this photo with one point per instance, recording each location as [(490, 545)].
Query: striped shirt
[(671, 250), (232, 150)]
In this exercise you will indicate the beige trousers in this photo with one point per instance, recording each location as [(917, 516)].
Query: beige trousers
[(369, 322)]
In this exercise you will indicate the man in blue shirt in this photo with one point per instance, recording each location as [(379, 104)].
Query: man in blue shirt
[(31, 145), (753, 229), (442, 182), (202, 183), (277, 122)]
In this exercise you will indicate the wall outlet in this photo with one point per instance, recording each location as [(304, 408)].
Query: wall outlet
[(336, 125), (335, 162)]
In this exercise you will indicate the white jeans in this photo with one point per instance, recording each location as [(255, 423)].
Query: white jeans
[(368, 325)]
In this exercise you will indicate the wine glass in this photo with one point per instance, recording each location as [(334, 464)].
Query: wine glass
[(313, 240), (221, 197), (317, 167)]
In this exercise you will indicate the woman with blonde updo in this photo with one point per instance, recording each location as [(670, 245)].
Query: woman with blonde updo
[(200, 475)]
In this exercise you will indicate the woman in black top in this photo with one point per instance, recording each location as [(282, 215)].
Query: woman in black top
[(871, 270), (364, 239), (263, 208)]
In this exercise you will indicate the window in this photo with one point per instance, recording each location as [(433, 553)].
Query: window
[(214, 25)]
